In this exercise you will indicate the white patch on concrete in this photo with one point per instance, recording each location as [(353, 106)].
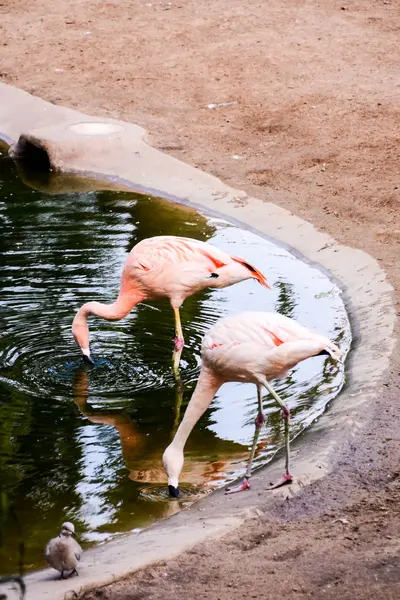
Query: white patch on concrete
[(92, 128)]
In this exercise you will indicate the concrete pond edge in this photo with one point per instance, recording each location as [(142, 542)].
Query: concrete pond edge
[(118, 154)]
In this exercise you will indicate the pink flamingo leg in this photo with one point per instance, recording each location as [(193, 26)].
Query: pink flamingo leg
[(286, 477), (260, 420)]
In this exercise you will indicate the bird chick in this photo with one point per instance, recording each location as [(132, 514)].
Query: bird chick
[(63, 552)]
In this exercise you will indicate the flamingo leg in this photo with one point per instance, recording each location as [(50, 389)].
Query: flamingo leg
[(179, 343), (260, 420), (286, 477), (178, 404)]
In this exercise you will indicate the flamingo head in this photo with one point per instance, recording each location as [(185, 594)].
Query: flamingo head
[(173, 464), (80, 331)]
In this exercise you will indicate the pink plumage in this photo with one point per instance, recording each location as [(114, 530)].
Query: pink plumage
[(259, 346), (177, 267), (252, 347), (166, 266)]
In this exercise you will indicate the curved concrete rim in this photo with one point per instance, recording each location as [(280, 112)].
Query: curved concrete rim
[(32, 126)]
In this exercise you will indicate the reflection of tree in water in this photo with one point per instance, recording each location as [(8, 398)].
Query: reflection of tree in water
[(41, 470), (286, 302), (14, 421), (14, 582)]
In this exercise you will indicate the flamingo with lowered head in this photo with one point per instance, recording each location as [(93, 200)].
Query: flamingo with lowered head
[(252, 347), (166, 266)]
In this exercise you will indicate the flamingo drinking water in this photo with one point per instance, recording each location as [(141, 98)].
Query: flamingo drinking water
[(166, 266), (252, 347)]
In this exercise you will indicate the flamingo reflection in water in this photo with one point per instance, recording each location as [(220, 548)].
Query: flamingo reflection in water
[(141, 454)]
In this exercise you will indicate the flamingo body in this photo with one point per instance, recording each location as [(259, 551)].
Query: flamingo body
[(253, 347), (256, 346), (177, 267), (166, 266)]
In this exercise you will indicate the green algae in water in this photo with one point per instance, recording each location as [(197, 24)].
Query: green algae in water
[(85, 444)]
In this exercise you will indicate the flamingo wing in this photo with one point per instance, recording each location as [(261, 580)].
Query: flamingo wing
[(267, 329), (280, 329), (161, 250), (221, 259)]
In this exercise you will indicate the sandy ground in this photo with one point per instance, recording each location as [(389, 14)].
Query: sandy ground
[(315, 128)]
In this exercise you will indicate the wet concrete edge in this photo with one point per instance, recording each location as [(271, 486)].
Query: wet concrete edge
[(126, 159)]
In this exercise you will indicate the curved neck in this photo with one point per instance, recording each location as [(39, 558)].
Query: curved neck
[(127, 299), (206, 388)]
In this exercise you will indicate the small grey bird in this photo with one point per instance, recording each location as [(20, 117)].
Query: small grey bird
[(63, 552)]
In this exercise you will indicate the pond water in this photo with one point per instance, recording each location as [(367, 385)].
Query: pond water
[(84, 444)]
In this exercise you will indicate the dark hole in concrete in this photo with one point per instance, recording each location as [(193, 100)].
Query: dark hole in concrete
[(31, 156), (32, 161)]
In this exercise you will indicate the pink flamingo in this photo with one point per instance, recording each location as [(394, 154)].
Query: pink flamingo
[(166, 266), (252, 347)]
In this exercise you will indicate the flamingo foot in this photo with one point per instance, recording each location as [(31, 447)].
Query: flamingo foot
[(178, 343), (242, 487), (284, 480)]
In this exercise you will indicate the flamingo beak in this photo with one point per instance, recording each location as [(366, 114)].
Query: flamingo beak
[(86, 356), (173, 491), (323, 353)]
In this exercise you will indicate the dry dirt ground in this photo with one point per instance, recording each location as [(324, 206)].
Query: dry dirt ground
[(316, 130)]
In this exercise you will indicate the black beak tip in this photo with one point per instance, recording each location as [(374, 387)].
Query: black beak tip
[(323, 353), (88, 359), (173, 491)]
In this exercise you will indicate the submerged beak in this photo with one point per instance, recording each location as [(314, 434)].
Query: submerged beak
[(86, 356), (173, 491), (88, 359)]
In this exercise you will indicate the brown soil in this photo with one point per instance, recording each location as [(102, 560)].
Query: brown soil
[(316, 130)]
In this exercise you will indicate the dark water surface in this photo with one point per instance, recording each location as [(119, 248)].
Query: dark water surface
[(85, 444)]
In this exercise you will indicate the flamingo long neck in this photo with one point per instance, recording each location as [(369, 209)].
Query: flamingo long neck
[(129, 295), (126, 300), (206, 388)]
